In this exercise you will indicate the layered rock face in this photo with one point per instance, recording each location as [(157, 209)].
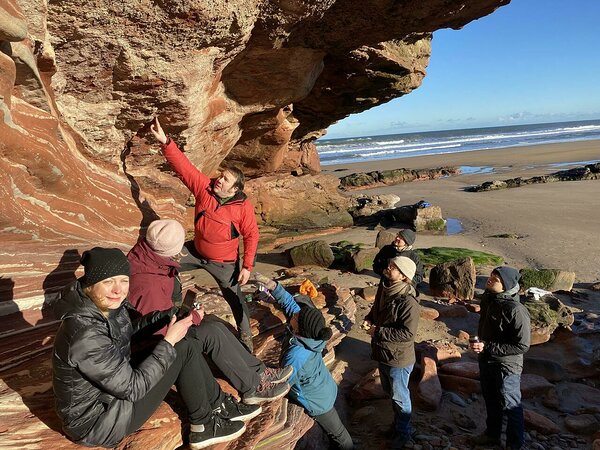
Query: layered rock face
[(253, 82)]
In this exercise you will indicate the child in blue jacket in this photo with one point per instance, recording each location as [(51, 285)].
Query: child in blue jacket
[(312, 386)]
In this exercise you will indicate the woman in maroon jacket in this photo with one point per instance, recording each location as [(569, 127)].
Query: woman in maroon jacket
[(154, 285)]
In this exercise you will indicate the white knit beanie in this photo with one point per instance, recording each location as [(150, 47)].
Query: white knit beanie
[(406, 265), (165, 237)]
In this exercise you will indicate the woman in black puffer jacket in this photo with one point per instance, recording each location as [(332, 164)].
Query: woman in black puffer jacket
[(101, 395)]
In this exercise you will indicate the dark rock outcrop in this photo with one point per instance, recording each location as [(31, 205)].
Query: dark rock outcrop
[(364, 180), (588, 172)]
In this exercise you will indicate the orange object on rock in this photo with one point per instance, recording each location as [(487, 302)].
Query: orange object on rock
[(307, 288)]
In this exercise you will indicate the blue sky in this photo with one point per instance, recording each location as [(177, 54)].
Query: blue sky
[(532, 61)]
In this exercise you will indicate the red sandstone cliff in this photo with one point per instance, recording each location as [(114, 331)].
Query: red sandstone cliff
[(250, 81)]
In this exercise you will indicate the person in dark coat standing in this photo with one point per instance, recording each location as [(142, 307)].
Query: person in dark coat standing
[(402, 246), (504, 334), (102, 392), (154, 285), (392, 323)]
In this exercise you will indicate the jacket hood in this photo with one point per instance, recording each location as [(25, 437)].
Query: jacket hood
[(143, 259), (510, 279), (313, 345), (73, 301)]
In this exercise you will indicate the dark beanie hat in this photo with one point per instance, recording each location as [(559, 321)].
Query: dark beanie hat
[(408, 235), (509, 276), (102, 263), (311, 324)]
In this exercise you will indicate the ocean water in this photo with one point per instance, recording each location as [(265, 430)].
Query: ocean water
[(373, 148)]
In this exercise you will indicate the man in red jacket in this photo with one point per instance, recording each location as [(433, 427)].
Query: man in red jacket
[(222, 214)]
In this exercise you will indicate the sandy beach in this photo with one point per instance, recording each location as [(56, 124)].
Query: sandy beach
[(559, 222)]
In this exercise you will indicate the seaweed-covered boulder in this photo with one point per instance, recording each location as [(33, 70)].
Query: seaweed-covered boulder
[(316, 253), (438, 255), (454, 280), (548, 279), (547, 314)]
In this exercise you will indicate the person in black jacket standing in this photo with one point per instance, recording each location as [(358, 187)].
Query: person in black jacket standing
[(402, 246), (101, 394), (504, 333)]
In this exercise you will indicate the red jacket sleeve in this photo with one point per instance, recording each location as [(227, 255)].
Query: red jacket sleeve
[(249, 232), (194, 180)]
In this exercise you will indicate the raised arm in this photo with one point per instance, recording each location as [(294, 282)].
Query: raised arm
[(194, 180)]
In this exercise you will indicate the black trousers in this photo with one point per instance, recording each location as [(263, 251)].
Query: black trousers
[(195, 384), (226, 276), (237, 364), (501, 390), (335, 429)]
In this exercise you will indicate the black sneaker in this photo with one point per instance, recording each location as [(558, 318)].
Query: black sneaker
[(215, 431), (234, 410), (265, 392), (274, 375)]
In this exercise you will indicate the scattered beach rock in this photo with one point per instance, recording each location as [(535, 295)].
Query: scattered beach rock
[(463, 369), (582, 423), (420, 219), (572, 397), (462, 335), (452, 311), (385, 237), (368, 293), (540, 423), (534, 385), (549, 369), (368, 388), (429, 313), (547, 314), (316, 253), (429, 390), (368, 205), (455, 280), (440, 351), (363, 259), (463, 385)]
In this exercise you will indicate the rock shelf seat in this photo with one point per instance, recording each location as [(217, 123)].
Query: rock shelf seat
[(28, 421)]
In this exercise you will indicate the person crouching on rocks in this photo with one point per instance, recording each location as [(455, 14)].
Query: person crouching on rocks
[(154, 285), (392, 323), (504, 334), (313, 387), (103, 392)]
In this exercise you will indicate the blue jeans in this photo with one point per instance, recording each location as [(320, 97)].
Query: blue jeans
[(502, 394), (394, 381)]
